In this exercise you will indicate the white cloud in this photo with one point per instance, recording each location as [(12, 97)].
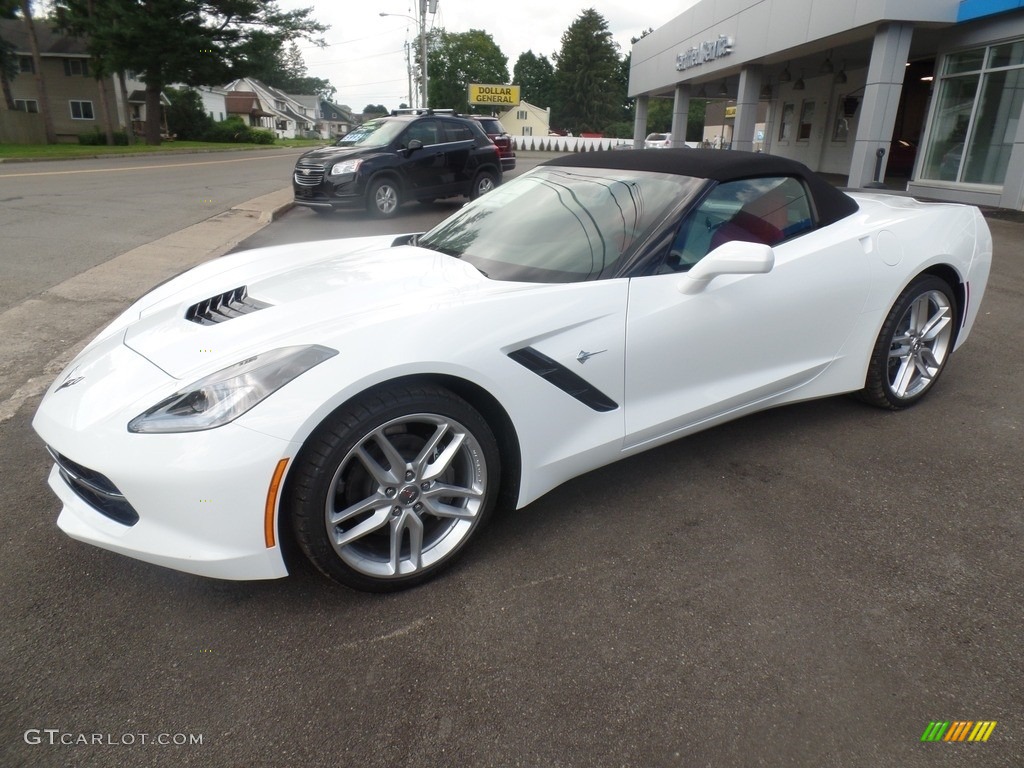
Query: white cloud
[(365, 55)]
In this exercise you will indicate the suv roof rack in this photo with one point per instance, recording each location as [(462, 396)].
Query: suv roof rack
[(422, 111)]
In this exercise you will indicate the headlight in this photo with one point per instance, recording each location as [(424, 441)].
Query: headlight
[(346, 166), (225, 395)]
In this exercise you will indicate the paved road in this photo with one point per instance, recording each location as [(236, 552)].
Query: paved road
[(60, 218), (805, 587)]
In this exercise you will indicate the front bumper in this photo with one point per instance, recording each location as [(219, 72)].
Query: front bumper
[(200, 497)]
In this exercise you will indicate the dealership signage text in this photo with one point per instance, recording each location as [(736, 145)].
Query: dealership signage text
[(709, 50), (496, 95)]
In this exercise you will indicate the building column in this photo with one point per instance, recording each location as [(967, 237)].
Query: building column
[(1013, 184), (881, 100), (640, 122), (680, 114), (747, 97)]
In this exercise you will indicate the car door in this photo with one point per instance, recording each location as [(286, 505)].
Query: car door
[(424, 168), (741, 338), (460, 165)]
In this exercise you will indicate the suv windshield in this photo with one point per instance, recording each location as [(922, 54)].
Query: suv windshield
[(559, 225), (373, 133)]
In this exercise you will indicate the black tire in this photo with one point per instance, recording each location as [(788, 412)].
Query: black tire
[(356, 517), (913, 346), (383, 198), (484, 182)]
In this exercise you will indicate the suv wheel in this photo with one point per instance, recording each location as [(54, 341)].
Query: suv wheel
[(383, 198), (484, 182)]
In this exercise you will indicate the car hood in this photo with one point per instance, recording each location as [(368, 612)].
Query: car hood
[(328, 154), (312, 293)]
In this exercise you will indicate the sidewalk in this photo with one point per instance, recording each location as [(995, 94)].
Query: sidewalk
[(40, 335)]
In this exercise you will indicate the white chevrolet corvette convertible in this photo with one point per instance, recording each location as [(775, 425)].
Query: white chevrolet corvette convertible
[(374, 399)]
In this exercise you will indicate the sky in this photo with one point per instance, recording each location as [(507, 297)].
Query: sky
[(365, 54)]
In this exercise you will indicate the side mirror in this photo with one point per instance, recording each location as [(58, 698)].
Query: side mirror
[(733, 258), (413, 145)]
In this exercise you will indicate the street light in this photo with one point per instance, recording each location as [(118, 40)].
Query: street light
[(422, 24)]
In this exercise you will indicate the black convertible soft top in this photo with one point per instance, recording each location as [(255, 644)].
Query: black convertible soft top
[(719, 165)]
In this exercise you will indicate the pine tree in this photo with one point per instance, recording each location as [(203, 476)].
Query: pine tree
[(587, 82)]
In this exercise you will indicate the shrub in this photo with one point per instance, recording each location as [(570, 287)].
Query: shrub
[(226, 131), (260, 136), (97, 139), (186, 116)]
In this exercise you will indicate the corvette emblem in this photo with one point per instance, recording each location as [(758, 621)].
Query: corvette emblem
[(582, 357), (69, 383)]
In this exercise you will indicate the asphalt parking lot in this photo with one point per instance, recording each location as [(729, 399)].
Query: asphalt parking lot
[(810, 586)]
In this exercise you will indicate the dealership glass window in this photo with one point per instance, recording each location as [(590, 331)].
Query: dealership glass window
[(806, 121), (81, 110), (786, 124), (974, 120)]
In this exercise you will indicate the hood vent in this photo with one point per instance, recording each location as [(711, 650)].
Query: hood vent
[(217, 309)]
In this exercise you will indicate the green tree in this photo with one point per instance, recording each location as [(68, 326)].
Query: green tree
[(587, 75), (456, 59), (196, 42), (8, 61), (25, 6), (536, 77), (186, 117), (375, 109)]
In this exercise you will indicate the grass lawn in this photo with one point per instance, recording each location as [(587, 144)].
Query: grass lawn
[(71, 151)]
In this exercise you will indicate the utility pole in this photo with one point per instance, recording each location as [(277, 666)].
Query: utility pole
[(423, 46)]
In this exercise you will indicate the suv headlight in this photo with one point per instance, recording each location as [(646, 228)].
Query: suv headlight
[(225, 395), (346, 166)]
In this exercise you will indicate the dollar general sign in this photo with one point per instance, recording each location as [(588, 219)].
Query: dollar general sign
[(494, 95)]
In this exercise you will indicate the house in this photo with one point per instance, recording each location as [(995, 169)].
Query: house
[(214, 102), (526, 120), (72, 89), (336, 120), (275, 110)]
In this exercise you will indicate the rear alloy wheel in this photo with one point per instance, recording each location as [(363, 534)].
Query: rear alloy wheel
[(914, 344), (389, 491), (383, 199), (484, 182)]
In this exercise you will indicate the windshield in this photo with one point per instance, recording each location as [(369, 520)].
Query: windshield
[(558, 225), (373, 133)]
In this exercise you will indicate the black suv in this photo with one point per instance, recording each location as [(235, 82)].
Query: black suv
[(412, 155)]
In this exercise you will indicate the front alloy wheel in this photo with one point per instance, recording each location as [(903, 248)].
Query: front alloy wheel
[(913, 346), (387, 495), (383, 199)]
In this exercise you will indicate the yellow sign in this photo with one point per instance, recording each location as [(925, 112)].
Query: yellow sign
[(494, 95), (730, 111)]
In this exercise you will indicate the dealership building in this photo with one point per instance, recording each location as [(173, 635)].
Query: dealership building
[(932, 90)]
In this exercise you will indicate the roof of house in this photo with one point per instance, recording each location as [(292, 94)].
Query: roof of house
[(244, 103), (332, 111), (51, 43)]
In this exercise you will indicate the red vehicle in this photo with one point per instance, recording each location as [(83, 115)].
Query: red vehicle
[(497, 133)]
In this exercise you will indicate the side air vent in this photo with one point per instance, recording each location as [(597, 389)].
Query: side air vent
[(563, 378), (217, 309)]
